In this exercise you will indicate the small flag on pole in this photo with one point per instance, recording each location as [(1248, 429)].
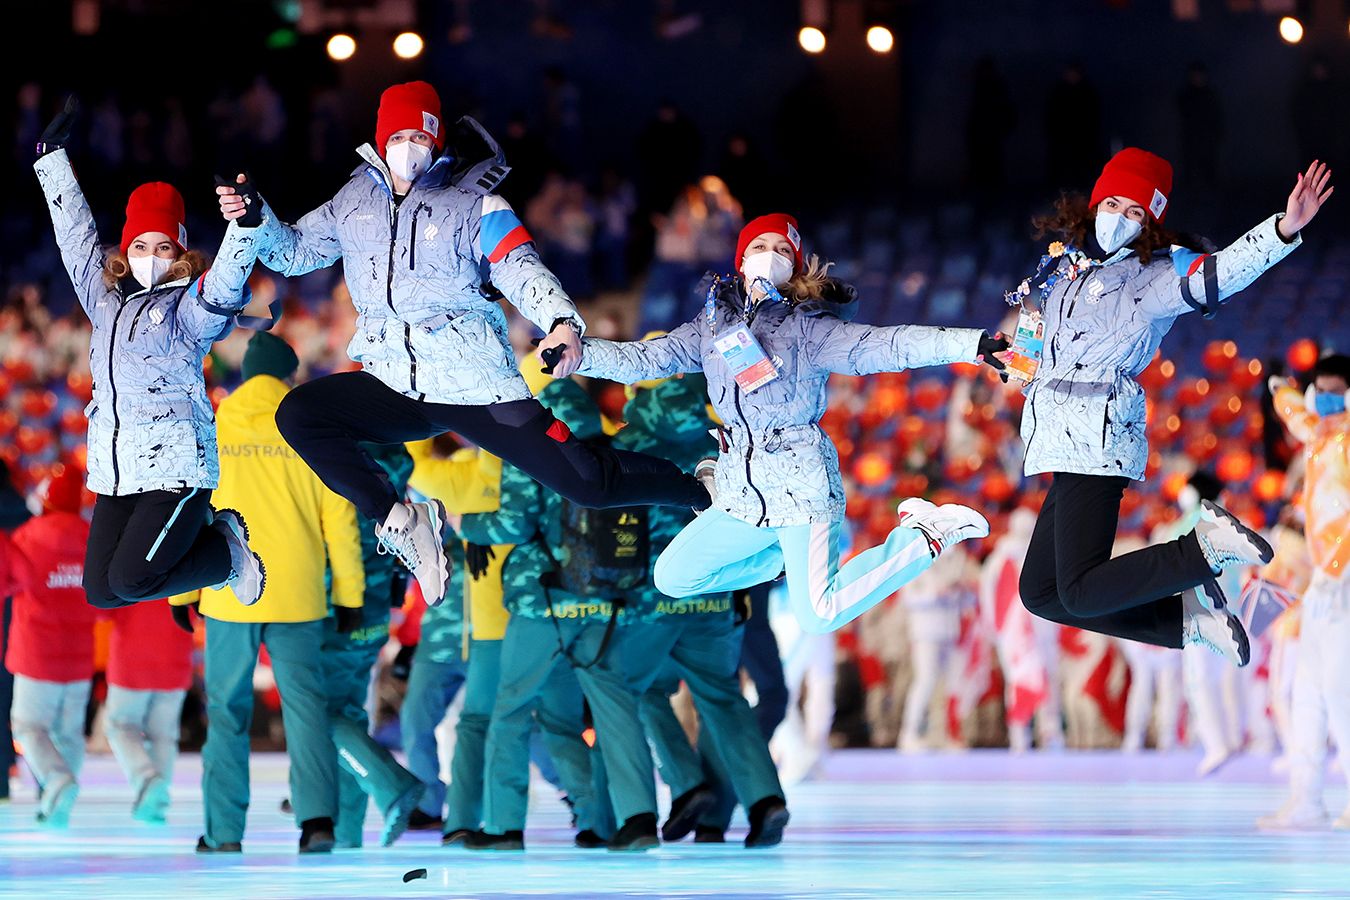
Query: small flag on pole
[(1261, 603)]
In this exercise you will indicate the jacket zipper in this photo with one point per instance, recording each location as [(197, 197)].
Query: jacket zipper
[(412, 240), (112, 386), (749, 438), (389, 293), (1106, 415)]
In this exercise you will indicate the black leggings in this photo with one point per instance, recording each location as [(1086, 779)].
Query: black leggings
[(1069, 576), (152, 545), (326, 420)]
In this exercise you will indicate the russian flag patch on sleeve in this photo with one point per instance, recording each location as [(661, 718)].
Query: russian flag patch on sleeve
[(499, 231)]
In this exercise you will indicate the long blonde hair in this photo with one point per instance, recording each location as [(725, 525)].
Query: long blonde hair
[(189, 264), (809, 283)]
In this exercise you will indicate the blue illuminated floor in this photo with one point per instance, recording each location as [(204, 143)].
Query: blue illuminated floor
[(874, 825)]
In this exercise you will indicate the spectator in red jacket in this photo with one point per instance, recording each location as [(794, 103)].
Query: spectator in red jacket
[(51, 644), (149, 672)]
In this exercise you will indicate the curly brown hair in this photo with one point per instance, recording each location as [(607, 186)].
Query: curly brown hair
[(189, 264), (1072, 222)]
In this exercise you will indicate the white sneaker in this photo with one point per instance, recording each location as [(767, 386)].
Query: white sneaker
[(705, 472), (1211, 595), (1215, 629), (1296, 815), (1212, 762), (944, 526), (1226, 542), (412, 532), (249, 576)]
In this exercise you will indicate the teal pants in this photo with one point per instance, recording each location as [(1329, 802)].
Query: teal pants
[(464, 798), (706, 651), (231, 656), (719, 552), (677, 762), (366, 770), (539, 683), (432, 687)]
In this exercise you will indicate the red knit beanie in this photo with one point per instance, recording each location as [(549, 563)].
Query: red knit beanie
[(414, 104), (155, 207), (1139, 175), (64, 491), (773, 223)]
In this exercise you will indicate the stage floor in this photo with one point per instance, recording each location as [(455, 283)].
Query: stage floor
[(874, 824)]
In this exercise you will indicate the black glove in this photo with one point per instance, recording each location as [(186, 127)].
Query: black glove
[(551, 357), (477, 556), (401, 667), (253, 206), (182, 616), (58, 130), (991, 345), (348, 619)]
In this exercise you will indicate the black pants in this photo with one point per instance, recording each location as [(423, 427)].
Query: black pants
[(326, 420), (1069, 576), (152, 545)]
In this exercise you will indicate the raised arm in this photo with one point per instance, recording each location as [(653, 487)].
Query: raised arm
[(1199, 282), (627, 361), (76, 236), (312, 243), (850, 348), (208, 310)]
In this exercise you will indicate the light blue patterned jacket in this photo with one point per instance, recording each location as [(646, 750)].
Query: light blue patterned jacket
[(1085, 413), (151, 426), (778, 467), (427, 326)]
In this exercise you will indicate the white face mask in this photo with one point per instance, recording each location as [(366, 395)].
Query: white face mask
[(408, 160), (770, 265), (1115, 231), (149, 270)]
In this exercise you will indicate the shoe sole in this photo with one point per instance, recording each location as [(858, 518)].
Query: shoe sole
[(678, 828), (441, 520), (234, 520), (1244, 644), (1264, 551), (771, 831), (323, 846), (505, 847), (454, 838), (640, 845), (396, 824), (1211, 596)]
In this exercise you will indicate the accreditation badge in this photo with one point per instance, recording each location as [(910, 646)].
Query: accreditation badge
[(746, 358)]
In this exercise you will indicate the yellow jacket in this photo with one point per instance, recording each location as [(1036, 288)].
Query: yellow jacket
[(299, 527), (469, 481), (1326, 484)]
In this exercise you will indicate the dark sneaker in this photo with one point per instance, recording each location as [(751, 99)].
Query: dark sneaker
[(636, 835), (482, 840), (768, 818), (706, 834), (227, 847), (420, 821), (686, 810), (316, 836), (589, 840), (456, 837)]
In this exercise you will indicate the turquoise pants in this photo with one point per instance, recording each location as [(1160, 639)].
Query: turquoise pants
[(719, 552), (366, 770), (464, 798), (538, 686), (432, 687), (231, 655), (706, 651)]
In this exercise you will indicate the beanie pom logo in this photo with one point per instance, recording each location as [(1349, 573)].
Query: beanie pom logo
[(794, 238), (431, 124), (1157, 204), (182, 235)]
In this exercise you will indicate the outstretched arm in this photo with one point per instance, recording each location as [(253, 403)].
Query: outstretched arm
[(1196, 282), (309, 244), (76, 236), (850, 348), (629, 361)]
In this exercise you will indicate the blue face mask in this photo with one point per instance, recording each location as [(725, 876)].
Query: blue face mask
[(1327, 404)]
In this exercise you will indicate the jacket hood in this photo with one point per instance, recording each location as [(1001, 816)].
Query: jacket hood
[(676, 409), (838, 300), (473, 160), (252, 408), (569, 402)]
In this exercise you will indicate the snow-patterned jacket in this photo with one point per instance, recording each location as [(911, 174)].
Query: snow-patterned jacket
[(151, 426), (778, 467), (417, 268), (1085, 413)]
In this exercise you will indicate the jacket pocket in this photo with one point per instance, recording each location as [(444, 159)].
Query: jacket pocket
[(165, 436)]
